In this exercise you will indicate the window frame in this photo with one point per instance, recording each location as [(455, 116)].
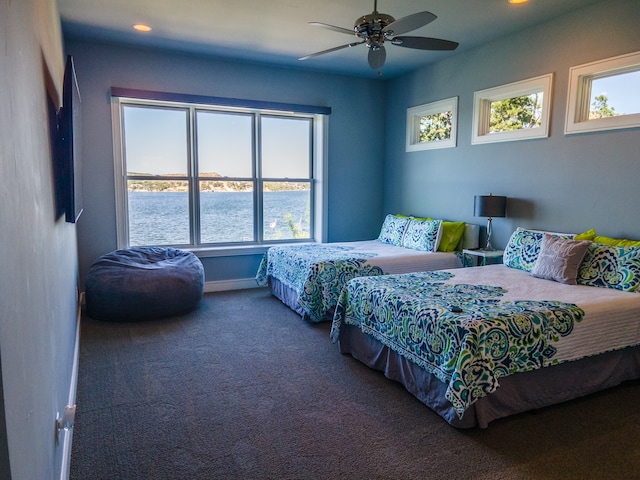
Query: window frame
[(482, 110), (318, 174), (414, 114), (579, 96)]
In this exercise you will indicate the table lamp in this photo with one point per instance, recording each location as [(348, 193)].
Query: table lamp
[(489, 206)]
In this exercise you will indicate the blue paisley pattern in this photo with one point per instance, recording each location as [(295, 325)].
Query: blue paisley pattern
[(469, 351), (422, 235), (523, 248), (611, 267), (315, 272), (393, 228)]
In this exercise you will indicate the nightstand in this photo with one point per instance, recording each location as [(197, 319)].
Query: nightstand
[(484, 257)]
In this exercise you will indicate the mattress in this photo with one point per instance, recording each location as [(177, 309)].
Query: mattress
[(480, 349), (611, 317), (309, 277)]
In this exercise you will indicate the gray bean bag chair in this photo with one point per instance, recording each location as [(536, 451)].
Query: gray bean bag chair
[(143, 283)]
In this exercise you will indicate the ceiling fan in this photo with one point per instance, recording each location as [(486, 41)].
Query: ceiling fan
[(376, 28)]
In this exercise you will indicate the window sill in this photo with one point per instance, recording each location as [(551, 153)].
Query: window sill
[(237, 250)]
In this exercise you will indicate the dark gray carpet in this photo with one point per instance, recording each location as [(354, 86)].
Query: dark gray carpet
[(242, 388)]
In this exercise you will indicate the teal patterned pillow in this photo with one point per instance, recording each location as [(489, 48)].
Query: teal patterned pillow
[(423, 235), (523, 248), (392, 230), (611, 266)]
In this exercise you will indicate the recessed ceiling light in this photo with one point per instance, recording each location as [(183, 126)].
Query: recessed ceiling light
[(142, 27), (518, 1)]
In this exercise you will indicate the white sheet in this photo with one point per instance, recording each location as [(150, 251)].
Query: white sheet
[(611, 317), (394, 259)]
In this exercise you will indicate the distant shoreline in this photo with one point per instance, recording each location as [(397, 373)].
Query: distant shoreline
[(162, 186)]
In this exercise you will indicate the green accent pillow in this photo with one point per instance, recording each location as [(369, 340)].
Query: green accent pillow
[(618, 242), (588, 235), (422, 219), (452, 232)]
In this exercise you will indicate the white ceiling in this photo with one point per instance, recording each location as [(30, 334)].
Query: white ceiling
[(277, 32)]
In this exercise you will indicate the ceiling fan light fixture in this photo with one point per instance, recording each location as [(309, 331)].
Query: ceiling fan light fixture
[(375, 28)]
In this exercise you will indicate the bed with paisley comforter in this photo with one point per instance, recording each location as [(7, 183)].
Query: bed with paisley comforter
[(309, 277), (481, 343)]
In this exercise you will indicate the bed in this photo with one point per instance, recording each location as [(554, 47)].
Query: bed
[(481, 343), (309, 277)]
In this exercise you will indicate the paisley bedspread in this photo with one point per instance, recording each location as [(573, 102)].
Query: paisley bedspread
[(315, 272), (469, 350)]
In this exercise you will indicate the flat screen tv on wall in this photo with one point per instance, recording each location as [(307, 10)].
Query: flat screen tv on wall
[(69, 146)]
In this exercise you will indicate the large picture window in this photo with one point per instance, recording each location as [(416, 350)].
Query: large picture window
[(202, 176)]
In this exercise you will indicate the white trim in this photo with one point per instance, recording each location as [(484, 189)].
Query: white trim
[(319, 184), (68, 432), (226, 285), (579, 97), (122, 225), (321, 176), (482, 109), (414, 114)]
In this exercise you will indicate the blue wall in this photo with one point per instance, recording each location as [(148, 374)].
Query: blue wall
[(355, 146), (564, 183), (561, 183), (38, 265)]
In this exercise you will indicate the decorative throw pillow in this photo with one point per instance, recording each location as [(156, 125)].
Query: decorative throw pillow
[(559, 259), (400, 215), (452, 232), (588, 235), (618, 242), (523, 248), (423, 235), (611, 266), (392, 230)]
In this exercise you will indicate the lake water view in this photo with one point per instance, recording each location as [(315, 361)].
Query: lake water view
[(162, 218)]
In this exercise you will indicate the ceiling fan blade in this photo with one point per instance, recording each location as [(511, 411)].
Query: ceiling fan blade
[(334, 28), (424, 43), (409, 23), (330, 50), (376, 57)]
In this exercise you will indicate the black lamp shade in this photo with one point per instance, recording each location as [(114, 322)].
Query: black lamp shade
[(490, 206)]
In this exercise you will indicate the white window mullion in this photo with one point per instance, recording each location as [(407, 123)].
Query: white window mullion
[(257, 176), (194, 190)]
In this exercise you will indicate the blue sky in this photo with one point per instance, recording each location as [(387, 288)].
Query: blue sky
[(156, 143), (623, 91)]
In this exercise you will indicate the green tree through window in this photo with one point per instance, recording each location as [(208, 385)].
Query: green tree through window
[(516, 113), (435, 127), (600, 108)]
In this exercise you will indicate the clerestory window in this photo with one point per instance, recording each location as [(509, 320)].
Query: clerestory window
[(604, 95)]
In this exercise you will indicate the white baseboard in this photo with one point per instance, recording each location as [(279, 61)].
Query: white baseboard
[(67, 433), (235, 284)]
